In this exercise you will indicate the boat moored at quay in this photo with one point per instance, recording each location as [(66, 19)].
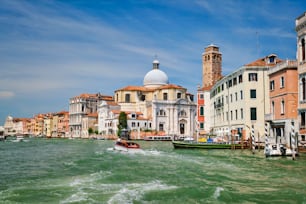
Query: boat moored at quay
[(199, 145)]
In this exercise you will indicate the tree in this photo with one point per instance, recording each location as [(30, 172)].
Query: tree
[(122, 122), (90, 131)]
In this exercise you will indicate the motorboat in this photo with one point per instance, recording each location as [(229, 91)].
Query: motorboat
[(277, 150), (19, 138), (127, 146)]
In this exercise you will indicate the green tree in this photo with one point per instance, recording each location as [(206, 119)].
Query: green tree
[(90, 131), (122, 122)]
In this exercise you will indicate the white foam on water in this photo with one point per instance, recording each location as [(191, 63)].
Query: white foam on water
[(77, 197), (129, 193), (217, 192)]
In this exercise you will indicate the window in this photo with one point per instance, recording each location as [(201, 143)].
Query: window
[(235, 81), (272, 109), (231, 97), (303, 89), (179, 95), (282, 82), (133, 124), (303, 49), (182, 113), (241, 95), (253, 114), (226, 115), (127, 98), (241, 113), (201, 111), (165, 96), (303, 119), (272, 85), (201, 125), (162, 113), (161, 127), (253, 93), (231, 115), (240, 78), (236, 96), (201, 96), (252, 76), (230, 83), (282, 107), (236, 114), (143, 97)]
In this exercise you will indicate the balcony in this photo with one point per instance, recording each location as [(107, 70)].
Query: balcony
[(218, 105)]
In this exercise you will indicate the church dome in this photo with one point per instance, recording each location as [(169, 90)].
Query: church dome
[(155, 77)]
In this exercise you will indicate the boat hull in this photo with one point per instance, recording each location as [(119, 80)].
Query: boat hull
[(127, 146), (191, 145)]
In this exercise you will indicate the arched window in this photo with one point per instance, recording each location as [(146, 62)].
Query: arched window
[(201, 110), (282, 106)]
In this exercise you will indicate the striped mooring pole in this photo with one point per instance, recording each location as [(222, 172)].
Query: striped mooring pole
[(292, 140), (253, 139), (266, 139)]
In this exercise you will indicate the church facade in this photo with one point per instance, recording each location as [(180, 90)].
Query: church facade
[(157, 105)]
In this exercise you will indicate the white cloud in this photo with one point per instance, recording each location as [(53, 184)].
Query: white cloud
[(6, 94)]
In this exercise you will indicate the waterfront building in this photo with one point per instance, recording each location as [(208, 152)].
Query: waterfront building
[(9, 126), (301, 60), (62, 129), (79, 107), (39, 125), (89, 121), (158, 105), (47, 124), (283, 80), (240, 100), (211, 73)]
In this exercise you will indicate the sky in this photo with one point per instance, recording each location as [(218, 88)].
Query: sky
[(51, 51)]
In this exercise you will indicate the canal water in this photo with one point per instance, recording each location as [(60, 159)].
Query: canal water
[(90, 171)]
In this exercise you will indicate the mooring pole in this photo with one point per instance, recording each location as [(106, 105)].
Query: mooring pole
[(266, 139), (253, 139), (292, 140)]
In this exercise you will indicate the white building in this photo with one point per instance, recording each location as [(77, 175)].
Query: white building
[(157, 105), (240, 100)]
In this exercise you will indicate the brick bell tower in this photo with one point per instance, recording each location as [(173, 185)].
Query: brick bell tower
[(211, 66)]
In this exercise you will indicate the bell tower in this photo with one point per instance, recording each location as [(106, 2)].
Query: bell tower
[(211, 66)]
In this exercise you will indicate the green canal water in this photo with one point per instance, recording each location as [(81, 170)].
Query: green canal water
[(90, 171)]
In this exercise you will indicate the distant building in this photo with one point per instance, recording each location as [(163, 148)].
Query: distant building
[(79, 107), (300, 28)]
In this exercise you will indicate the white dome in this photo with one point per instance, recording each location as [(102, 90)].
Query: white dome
[(155, 78)]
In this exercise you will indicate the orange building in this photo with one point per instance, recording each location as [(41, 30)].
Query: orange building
[(283, 79)]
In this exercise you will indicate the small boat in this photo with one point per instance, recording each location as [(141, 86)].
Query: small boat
[(277, 150), (19, 138), (123, 145), (198, 145)]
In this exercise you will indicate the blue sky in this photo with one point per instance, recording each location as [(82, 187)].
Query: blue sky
[(51, 51)]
